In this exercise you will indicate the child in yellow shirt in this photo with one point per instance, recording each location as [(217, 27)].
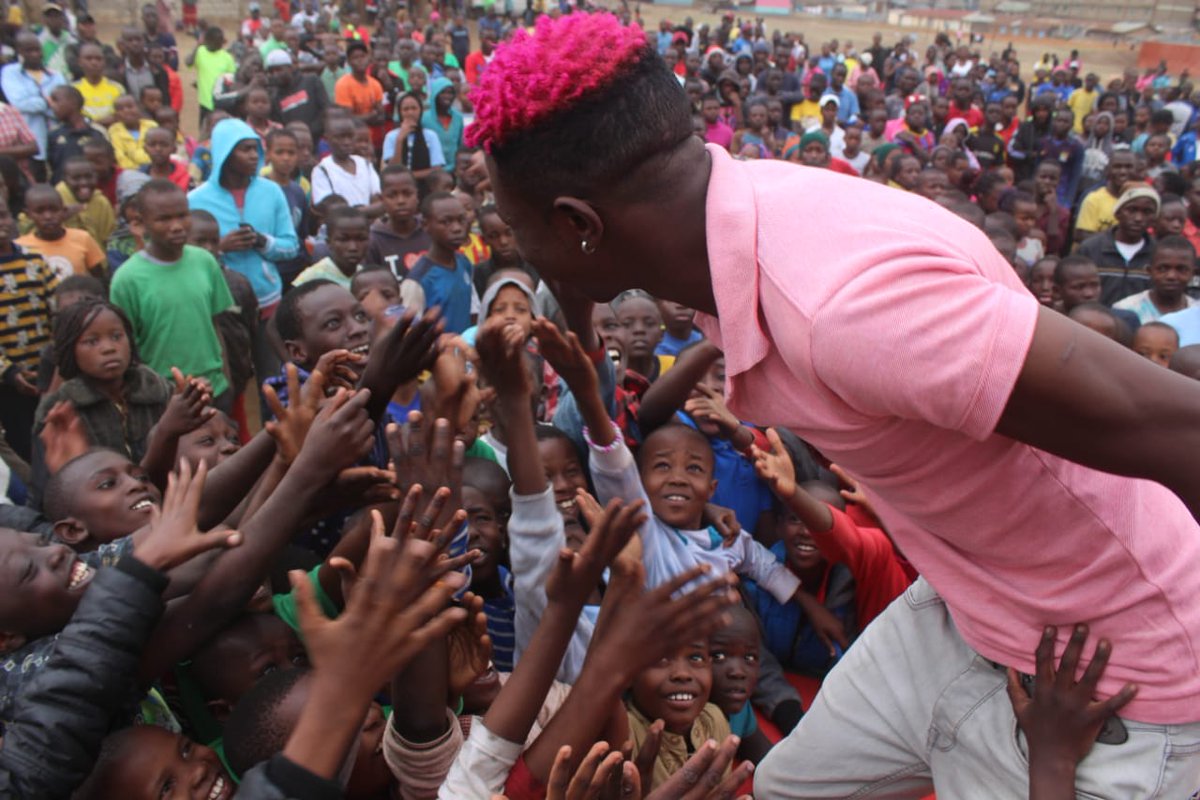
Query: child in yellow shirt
[(126, 135)]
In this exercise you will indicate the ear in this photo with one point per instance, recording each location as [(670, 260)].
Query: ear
[(220, 709), (712, 490), (296, 352), (71, 531), (11, 641), (579, 220)]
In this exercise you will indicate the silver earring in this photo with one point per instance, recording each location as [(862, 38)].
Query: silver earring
[(587, 249)]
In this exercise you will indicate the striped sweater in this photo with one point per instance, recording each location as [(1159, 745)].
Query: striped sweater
[(26, 286)]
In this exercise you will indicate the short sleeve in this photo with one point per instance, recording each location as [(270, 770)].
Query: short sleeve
[(222, 300), (94, 255), (925, 337), (1089, 217)]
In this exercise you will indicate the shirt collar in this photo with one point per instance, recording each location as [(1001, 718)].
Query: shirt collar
[(731, 232)]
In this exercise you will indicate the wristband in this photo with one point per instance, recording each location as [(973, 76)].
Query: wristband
[(608, 448)]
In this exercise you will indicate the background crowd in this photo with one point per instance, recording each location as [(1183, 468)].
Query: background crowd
[(568, 497)]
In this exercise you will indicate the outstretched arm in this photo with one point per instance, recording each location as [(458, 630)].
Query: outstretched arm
[(1128, 417)]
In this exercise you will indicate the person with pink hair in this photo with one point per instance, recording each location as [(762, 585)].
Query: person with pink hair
[(1029, 485)]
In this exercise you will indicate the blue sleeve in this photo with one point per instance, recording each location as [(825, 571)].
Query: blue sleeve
[(389, 145), (437, 158), (18, 91), (282, 244)]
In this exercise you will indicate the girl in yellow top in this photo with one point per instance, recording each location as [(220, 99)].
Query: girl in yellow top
[(128, 132)]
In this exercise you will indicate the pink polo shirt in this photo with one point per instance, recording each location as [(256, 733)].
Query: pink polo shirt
[(891, 342)]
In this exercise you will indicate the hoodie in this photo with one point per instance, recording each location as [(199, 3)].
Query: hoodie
[(451, 137), (265, 209)]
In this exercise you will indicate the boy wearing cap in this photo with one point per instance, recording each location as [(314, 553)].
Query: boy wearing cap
[(1122, 253), (296, 96), (55, 37)]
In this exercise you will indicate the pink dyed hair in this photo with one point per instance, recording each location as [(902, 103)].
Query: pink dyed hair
[(534, 77)]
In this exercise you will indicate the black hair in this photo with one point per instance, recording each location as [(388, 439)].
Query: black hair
[(15, 183), (142, 92), (287, 316), (544, 160), (1000, 222), (486, 476), (987, 182), (59, 492), (280, 133), (44, 190), (373, 269), (1162, 117), (486, 210), (328, 202), (83, 284), (434, 197), (677, 427), (71, 92), (75, 161), (255, 730), (1015, 196), (396, 169), (1173, 184), (354, 47), (343, 214), (1175, 243), (1075, 260), (72, 321), (1156, 324), (203, 216), (1124, 336), (156, 186)]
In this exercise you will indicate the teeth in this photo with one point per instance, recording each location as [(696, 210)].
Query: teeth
[(676, 497), (80, 573), (806, 548), (141, 505), (361, 350), (567, 505), (217, 789), (685, 697)]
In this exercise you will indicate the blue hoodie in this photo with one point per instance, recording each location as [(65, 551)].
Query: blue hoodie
[(265, 209), (452, 137)]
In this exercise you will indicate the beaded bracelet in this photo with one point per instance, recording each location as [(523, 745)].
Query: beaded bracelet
[(608, 448)]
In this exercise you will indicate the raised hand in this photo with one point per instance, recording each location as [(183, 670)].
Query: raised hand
[(599, 776), (1061, 717), (172, 537), (853, 492), (408, 348), (454, 373), (340, 435), (724, 521), (470, 646), (825, 624), (190, 405), (429, 462), (291, 423), (501, 347), (567, 356), (339, 369), (710, 406), (63, 436), (776, 467), (575, 575), (703, 775)]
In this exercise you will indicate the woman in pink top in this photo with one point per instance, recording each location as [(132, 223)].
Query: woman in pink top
[(903, 347)]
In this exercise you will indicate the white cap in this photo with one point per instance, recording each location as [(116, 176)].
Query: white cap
[(279, 58)]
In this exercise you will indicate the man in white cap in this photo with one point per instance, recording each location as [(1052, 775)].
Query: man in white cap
[(295, 96), (55, 36), (1122, 253), (252, 26)]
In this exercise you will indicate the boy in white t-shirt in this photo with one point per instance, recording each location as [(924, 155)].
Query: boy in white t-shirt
[(345, 174)]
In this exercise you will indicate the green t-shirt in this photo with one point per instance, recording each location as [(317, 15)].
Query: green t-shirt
[(171, 307), (209, 67)]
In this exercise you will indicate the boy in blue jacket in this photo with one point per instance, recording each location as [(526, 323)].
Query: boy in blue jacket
[(444, 119), (255, 223)]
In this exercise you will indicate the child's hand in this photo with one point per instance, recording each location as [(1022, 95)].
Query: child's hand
[(575, 575), (407, 349), (356, 487), (776, 467), (190, 406), (428, 463), (397, 608), (501, 347), (1061, 719), (470, 647), (340, 435), (724, 521), (853, 492), (63, 436), (596, 777), (338, 368), (825, 624), (173, 538), (567, 356), (710, 407), (454, 373), (291, 423), (703, 775)]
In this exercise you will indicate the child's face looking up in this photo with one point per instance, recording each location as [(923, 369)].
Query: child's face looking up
[(112, 496), (46, 583), (676, 688), (564, 473), (735, 662), (212, 443), (235, 659), (331, 319), (677, 473), (102, 351), (378, 291), (164, 765), (802, 552)]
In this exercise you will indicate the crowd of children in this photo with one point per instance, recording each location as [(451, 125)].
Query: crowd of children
[(232, 362)]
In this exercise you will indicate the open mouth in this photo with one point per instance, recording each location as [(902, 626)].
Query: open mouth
[(144, 505), (567, 506), (676, 498), (362, 350), (81, 573), (218, 788), (682, 701)]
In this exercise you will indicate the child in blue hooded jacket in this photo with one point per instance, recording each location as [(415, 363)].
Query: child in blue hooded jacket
[(255, 223), (444, 119)]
